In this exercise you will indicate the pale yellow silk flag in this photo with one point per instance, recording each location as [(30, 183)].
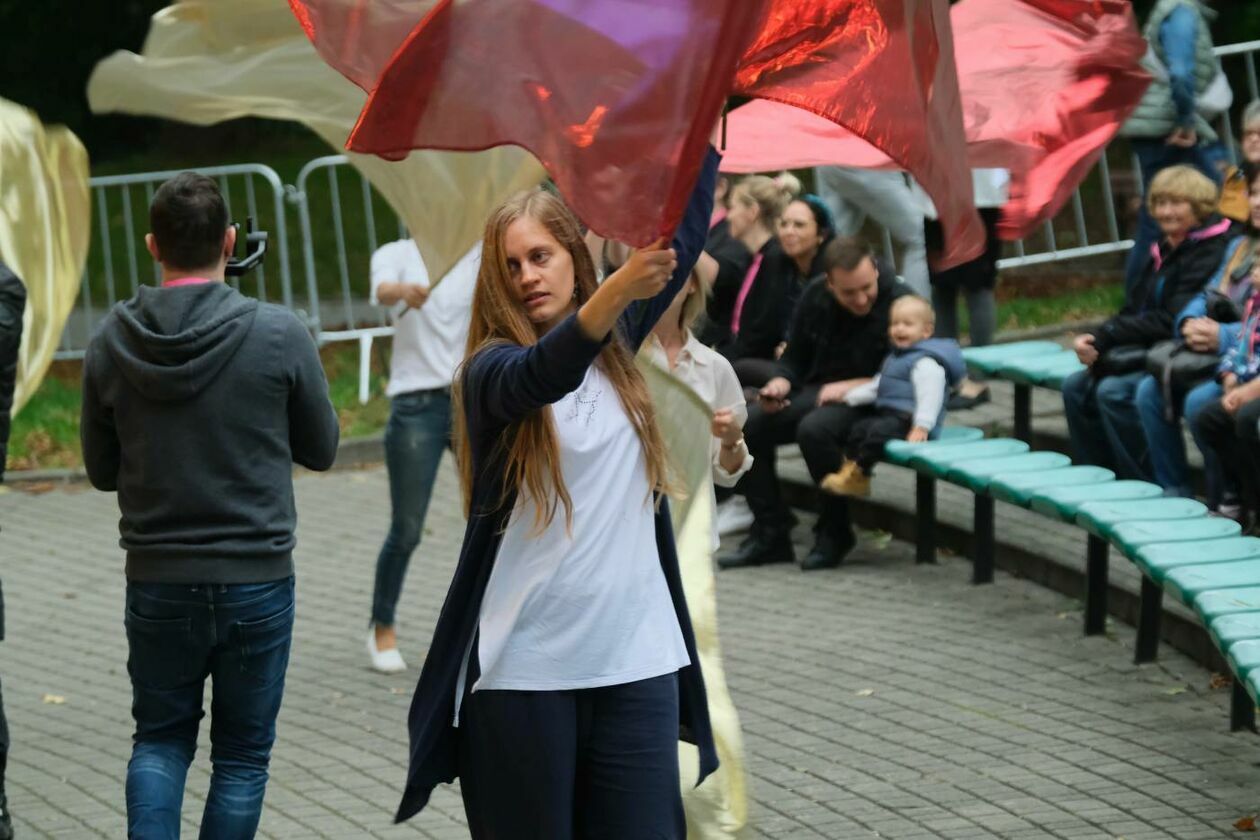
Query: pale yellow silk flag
[(45, 217), (718, 809), (206, 61)]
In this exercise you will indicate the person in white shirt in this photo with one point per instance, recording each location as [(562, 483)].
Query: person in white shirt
[(907, 398), (430, 331), (719, 807)]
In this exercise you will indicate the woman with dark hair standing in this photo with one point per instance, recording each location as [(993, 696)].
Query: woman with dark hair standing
[(563, 667)]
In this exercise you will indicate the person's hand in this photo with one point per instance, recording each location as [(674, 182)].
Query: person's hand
[(773, 397), (1085, 350), (1201, 335), (646, 271), (1229, 382), (918, 434), (1183, 138), (779, 348), (1233, 400), (414, 295), (833, 392), (726, 428)]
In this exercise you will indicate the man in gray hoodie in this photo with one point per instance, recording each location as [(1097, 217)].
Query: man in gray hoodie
[(197, 401)]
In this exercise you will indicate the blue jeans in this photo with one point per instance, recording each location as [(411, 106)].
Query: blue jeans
[(1154, 155), (1167, 444), (177, 635), (419, 429), (1103, 423)]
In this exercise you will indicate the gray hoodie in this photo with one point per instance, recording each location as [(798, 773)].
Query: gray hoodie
[(197, 401)]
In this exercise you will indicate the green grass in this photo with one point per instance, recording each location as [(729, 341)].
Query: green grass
[(46, 434)]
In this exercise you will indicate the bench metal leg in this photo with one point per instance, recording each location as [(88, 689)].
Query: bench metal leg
[(1149, 613), (1023, 413), (982, 569), (925, 507), (1242, 711), (1095, 585)]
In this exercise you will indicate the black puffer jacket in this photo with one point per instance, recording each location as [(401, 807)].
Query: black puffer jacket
[(1171, 279), (12, 303)]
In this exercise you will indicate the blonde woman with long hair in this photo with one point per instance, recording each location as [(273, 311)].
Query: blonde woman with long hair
[(563, 668)]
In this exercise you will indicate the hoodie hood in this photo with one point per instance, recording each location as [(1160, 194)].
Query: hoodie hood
[(171, 343)]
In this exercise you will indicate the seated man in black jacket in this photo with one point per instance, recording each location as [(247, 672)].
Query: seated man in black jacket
[(12, 302), (839, 340)]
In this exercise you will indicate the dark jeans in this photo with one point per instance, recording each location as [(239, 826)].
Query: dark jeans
[(177, 635), (1153, 155), (1167, 445), (821, 432), (560, 765), (1104, 425), (870, 431), (419, 429), (1236, 441)]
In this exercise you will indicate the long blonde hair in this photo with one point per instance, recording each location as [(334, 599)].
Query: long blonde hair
[(533, 451)]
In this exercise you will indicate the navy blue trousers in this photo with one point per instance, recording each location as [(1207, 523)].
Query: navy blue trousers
[(562, 765)]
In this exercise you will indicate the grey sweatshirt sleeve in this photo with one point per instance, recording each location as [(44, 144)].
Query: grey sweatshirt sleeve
[(928, 378), (97, 434), (313, 429)]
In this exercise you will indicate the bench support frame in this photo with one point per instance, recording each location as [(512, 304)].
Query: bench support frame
[(1023, 412), (1242, 709), (982, 527), (925, 518), (1096, 559), (1150, 610)]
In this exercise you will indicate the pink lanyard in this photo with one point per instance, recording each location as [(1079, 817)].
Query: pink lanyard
[(743, 292), (185, 281)]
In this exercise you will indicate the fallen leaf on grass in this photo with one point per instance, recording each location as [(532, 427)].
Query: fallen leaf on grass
[(1219, 681), (866, 692), (1246, 823), (54, 699)]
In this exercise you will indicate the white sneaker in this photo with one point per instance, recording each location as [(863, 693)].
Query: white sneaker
[(733, 516), (386, 661)]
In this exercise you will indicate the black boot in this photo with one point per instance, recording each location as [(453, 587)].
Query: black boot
[(764, 544), (6, 824), (833, 535)]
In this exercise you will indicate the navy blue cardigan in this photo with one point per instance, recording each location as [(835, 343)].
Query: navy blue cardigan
[(502, 384)]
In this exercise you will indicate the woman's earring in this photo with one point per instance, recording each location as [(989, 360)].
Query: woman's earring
[(575, 291)]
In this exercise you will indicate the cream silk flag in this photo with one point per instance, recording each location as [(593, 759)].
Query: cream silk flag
[(718, 809), (206, 61), (45, 220)]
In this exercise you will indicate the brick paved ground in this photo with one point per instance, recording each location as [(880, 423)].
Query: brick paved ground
[(880, 700)]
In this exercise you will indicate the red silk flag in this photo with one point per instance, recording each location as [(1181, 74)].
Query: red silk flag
[(617, 98), (1046, 84)]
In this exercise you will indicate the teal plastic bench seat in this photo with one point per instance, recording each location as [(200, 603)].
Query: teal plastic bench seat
[(1214, 603), (899, 451), (1034, 370), (989, 359), (976, 475), (1054, 379), (1185, 583), (1235, 627), (1131, 536), (1019, 488), (1244, 657), (1099, 517), (1157, 559), (1063, 503), (937, 460)]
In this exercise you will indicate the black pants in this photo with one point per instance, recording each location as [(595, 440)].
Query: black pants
[(562, 765), (1236, 441), (821, 432), (870, 431)]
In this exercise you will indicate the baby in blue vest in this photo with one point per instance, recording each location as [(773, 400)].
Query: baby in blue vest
[(907, 398)]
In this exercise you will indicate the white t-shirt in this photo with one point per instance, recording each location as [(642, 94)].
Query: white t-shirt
[(429, 341), (590, 607), (710, 375)]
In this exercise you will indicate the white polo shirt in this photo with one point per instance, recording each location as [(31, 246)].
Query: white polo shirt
[(429, 341)]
